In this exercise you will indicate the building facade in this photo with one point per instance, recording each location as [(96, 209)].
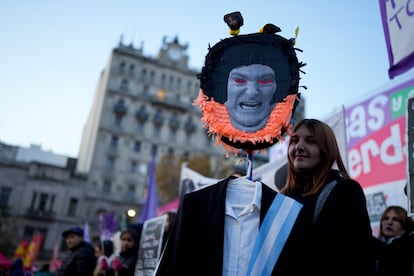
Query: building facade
[(37, 195), (142, 106)]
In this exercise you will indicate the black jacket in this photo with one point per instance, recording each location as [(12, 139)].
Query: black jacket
[(129, 261), (396, 257), (339, 241), (81, 261)]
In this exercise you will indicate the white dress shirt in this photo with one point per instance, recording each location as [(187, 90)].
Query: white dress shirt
[(241, 224)]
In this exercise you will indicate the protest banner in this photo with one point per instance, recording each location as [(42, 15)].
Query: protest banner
[(150, 244)]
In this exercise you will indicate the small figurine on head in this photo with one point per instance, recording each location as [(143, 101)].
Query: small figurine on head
[(234, 20), (249, 87)]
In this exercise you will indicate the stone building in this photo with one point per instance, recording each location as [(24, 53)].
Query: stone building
[(142, 106), (38, 194)]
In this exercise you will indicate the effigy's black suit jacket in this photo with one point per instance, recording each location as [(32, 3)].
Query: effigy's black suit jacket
[(195, 245)]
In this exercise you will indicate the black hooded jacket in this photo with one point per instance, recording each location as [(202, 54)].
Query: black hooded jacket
[(81, 261)]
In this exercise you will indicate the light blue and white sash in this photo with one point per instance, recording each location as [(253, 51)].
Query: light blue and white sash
[(273, 234)]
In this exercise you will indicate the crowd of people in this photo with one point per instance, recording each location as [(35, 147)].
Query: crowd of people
[(102, 258)]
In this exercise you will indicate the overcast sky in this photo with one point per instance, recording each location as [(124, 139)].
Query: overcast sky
[(52, 53)]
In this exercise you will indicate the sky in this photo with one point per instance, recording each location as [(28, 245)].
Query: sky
[(53, 52)]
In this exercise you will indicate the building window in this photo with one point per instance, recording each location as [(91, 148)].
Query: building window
[(106, 188), (145, 90), (188, 138), (171, 82), (33, 202), (173, 135), (124, 85), (189, 128), (130, 192), (158, 117), (174, 123), (178, 84), (152, 76), (110, 164), (189, 125), (141, 128), (157, 131), (114, 142), (154, 149), (131, 70), (73, 205), (163, 77), (5, 193), (189, 85), (42, 202), (52, 202), (133, 167), (144, 74), (137, 147), (120, 110), (118, 121), (142, 114), (122, 67)]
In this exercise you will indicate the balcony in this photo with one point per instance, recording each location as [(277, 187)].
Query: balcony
[(40, 214)]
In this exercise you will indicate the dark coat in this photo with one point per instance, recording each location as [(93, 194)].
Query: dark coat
[(81, 261), (339, 242), (128, 259), (195, 244), (17, 268), (396, 257)]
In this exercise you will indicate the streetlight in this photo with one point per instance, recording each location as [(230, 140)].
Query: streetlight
[(131, 213)]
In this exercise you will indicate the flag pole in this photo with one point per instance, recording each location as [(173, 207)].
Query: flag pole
[(151, 204)]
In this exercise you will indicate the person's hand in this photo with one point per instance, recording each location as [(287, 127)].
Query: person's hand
[(103, 264), (116, 264)]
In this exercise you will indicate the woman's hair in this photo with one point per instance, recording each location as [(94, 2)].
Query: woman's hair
[(325, 139), (406, 222)]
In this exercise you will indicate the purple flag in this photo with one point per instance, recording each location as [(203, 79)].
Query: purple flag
[(86, 232), (151, 204), (108, 225)]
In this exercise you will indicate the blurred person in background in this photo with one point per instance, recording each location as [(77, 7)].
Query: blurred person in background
[(394, 246), (124, 264), (81, 260)]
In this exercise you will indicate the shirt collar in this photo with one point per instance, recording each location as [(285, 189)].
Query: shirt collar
[(254, 204)]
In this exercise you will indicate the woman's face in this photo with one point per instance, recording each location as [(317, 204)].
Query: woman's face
[(391, 225), (303, 150)]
